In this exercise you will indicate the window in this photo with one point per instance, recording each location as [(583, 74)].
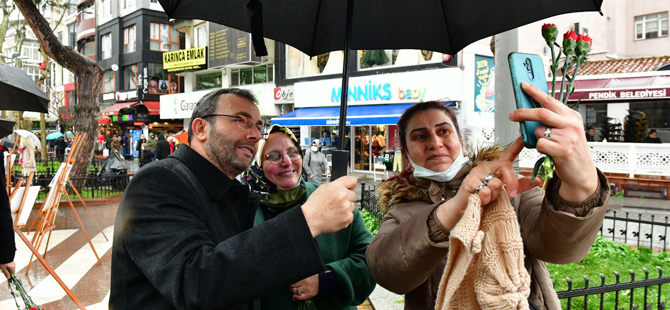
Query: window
[(88, 49), (129, 39), (106, 46), (72, 7), (651, 26), (87, 12), (130, 77), (109, 81), (159, 81), (128, 4), (106, 8), (154, 1), (163, 38), (208, 81), (252, 75), (71, 35), (200, 37)]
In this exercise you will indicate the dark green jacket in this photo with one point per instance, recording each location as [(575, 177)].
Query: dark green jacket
[(344, 253)]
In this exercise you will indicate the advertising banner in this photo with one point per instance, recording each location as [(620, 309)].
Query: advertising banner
[(484, 84)]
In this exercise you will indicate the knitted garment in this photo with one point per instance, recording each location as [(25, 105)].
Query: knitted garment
[(485, 266)]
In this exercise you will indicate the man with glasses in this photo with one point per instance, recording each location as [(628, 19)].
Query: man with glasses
[(183, 237)]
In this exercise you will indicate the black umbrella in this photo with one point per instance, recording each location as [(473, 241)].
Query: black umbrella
[(316, 27), (18, 92), (7, 143), (6, 127)]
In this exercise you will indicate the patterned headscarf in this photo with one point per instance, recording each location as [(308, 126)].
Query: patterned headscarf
[(254, 177)]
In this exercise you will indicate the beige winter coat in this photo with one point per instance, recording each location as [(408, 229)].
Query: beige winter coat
[(409, 253)]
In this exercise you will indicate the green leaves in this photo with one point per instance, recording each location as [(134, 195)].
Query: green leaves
[(371, 222)]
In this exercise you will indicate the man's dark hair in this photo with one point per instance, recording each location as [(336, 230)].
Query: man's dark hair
[(207, 105), (423, 106), (652, 131), (589, 128)]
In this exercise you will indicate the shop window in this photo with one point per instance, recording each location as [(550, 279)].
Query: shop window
[(325, 134), (201, 38), (252, 75), (298, 64), (88, 49), (109, 81), (656, 113), (396, 58), (208, 81), (129, 40), (651, 26), (130, 77), (106, 46), (163, 38), (161, 82)]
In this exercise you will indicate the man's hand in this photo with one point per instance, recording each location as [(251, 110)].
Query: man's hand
[(330, 208), (6, 268)]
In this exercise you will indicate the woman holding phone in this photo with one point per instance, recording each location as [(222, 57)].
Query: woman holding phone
[(426, 200)]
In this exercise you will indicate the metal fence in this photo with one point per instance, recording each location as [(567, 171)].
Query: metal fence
[(623, 292), (633, 231), (641, 232), (49, 167)]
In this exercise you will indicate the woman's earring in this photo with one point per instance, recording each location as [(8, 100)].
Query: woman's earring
[(409, 168)]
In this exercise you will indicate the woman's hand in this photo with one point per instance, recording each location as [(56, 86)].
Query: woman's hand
[(501, 173), (306, 288), (566, 144)]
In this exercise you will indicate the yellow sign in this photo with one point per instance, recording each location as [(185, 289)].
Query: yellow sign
[(183, 59)]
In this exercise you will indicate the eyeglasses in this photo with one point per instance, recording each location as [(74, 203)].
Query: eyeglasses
[(275, 157), (243, 122)]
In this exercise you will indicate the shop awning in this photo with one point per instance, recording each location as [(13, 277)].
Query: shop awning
[(154, 107), (356, 115), (114, 109)]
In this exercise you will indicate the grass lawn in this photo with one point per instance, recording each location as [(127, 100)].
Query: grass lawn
[(86, 193), (606, 257)]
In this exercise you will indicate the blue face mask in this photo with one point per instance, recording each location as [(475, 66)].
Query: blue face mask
[(445, 176)]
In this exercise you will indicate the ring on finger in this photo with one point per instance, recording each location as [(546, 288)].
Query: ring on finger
[(298, 291), (488, 178), (547, 133), (480, 187)]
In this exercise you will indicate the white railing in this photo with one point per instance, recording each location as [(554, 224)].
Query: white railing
[(631, 158)]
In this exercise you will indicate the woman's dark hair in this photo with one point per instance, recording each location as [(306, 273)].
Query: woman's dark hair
[(419, 107)]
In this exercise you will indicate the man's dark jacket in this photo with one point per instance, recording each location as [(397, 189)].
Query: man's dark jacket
[(183, 239), (162, 148), (7, 246)]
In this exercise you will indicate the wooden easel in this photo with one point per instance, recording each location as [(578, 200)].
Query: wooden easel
[(49, 208)]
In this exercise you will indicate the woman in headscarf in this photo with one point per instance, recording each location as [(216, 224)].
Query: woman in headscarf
[(428, 199), (276, 176), (315, 163)]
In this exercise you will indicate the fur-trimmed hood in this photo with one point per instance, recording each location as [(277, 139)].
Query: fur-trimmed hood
[(403, 188)]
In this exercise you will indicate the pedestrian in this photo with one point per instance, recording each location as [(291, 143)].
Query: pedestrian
[(60, 148), (101, 141), (162, 147), (108, 139), (27, 158), (184, 235), (276, 176), (590, 134), (427, 200), (315, 163), (139, 147), (7, 243), (652, 137), (150, 149), (116, 145)]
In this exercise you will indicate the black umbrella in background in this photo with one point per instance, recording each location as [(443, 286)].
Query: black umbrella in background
[(316, 27), (7, 143), (18, 92), (6, 127)]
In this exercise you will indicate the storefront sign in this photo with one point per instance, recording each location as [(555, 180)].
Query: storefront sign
[(180, 106), (484, 84), (128, 95), (185, 60), (108, 96), (284, 94), (65, 113), (122, 118), (265, 96), (629, 94), (229, 46), (408, 87)]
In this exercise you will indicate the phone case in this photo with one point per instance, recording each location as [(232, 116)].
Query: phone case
[(528, 68)]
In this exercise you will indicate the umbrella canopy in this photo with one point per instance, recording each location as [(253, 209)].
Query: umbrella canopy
[(6, 127), (54, 136), (317, 27), (30, 137), (69, 134), (18, 92)]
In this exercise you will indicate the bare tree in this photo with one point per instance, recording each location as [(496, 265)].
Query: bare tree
[(89, 79)]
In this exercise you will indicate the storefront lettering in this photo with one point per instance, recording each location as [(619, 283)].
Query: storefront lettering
[(367, 92), (413, 93), (183, 106), (335, 122), (660, 93)]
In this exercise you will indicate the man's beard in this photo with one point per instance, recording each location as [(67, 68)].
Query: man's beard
[(221, 150)]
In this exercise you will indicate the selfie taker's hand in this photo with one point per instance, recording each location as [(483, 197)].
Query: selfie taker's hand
[(566, 143), (489, 176), (330, 208), (6, 268), (306, 288)]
